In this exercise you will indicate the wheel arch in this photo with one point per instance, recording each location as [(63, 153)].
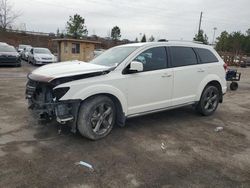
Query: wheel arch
[(213, 80), (120, 114)]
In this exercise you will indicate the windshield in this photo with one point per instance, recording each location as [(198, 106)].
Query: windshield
[(41, 51), (113, 56), (22, 46), (7, 49)]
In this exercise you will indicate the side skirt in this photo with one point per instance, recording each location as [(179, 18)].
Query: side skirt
[(159, 110)]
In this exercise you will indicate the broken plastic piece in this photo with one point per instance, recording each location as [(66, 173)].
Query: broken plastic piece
[(163, 146), (85, 164), (218, 129)]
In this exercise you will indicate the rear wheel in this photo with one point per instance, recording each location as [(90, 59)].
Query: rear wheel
[(96, 117), (209, 101)]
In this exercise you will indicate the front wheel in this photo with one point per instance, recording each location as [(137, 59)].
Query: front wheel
[(96, 117), (209, 101)]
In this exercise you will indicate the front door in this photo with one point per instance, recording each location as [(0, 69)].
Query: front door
[(150, 89)]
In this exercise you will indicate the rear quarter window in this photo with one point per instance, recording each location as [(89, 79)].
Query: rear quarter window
[(206, 56)]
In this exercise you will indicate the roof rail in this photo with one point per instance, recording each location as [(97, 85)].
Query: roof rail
[(162, 40), (198, 42)]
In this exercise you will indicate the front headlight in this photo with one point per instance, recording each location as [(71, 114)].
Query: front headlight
[(60, 92), (37, 58)]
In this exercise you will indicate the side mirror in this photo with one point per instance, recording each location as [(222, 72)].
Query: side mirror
[(136, 66)]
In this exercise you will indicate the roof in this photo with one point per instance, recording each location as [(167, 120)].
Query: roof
[(76, 40), (169, 43)]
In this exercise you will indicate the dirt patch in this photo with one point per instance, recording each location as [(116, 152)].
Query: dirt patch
[(33, 154)]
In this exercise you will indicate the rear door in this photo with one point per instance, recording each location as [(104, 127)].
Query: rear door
[(188, 74)]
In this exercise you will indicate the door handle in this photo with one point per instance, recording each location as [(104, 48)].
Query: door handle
[(166, 75), (201, 70)]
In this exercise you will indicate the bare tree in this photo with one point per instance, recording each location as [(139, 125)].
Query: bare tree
[(7, 15)]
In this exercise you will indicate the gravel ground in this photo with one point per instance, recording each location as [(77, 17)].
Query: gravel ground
[(176, 148)]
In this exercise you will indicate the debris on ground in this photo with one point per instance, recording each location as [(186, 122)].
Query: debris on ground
[(85, 164), (163, 147), (218, 129)]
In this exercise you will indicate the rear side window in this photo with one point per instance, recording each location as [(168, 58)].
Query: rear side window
[(206, 56), (183, 56)]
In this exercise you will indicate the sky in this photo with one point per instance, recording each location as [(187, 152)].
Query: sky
[(168, 19)]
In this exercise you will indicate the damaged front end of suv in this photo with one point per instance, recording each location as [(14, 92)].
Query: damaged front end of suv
[(44, 98)]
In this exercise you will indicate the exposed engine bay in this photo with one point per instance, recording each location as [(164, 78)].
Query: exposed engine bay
[(44, 100)]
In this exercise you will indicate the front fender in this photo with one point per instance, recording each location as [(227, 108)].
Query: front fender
[(204, 82), (89, 91)]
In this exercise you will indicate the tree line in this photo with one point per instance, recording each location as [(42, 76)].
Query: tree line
[(235, 42)]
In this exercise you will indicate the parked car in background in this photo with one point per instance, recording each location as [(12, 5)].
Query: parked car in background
[(25, 53), (41, 56), (21, 47), (9, 56), (245, 62), (3, 43), (128, 81)]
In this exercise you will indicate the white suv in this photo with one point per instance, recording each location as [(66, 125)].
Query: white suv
[(127, 81)]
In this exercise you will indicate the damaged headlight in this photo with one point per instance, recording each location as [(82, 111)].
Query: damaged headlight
[(60, 92)]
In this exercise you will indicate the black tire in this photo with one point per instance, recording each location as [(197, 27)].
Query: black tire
[(234, 86), (92, 115), (209, 101)]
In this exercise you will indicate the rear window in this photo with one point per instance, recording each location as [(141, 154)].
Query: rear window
[(183, 56), (206, 56)]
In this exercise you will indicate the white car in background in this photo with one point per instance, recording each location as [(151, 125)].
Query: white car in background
[(127, 81), (21, 47), (41, 56), (25, 53)]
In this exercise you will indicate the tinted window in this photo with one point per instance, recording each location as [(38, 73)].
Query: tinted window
[(205, 55), (183, 56), (153, 59)]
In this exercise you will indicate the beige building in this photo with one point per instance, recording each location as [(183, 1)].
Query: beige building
[(75, 49)]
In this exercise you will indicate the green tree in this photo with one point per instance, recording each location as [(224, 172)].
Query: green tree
[(223, 42), (236, 41), (201, 37), (151, 39), (116, 33), (75, 26), (58, 32), (144, 39)]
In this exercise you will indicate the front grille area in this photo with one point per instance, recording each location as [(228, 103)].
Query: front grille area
[(47, 58), (39, 93), (30, 88)]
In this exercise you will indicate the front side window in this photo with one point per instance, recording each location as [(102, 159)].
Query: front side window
[(75, 48), (153, 59), (183, 56), (205, 55)]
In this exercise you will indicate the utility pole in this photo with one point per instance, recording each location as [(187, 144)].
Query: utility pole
[(215, 28), (200, 23)]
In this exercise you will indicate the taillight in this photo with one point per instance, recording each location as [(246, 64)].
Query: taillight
[(225, 66)]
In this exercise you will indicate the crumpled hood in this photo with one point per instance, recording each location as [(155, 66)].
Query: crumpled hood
[(69, 68)]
